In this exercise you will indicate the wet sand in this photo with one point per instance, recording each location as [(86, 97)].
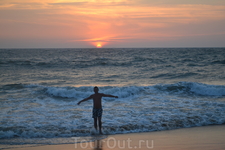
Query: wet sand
[(197, 138)]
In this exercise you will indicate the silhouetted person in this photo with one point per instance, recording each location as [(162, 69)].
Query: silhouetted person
[(97, 107)]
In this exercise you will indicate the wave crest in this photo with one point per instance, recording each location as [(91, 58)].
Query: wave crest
[(193, 88)]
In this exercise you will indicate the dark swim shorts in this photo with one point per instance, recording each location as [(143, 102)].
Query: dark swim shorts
[(97, 112)]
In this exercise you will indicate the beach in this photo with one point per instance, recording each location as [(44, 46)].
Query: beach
[(196, 138)]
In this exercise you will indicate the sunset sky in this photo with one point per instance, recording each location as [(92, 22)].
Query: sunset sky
[(111, 23)]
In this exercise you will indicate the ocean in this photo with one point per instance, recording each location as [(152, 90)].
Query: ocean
[(158, 89)]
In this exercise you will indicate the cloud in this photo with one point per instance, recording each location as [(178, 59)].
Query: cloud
[(70, 4)]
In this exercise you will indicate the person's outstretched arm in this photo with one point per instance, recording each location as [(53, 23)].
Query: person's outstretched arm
[(90, 97), (107, 95)]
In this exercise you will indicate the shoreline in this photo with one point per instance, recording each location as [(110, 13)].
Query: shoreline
[(204, 137)]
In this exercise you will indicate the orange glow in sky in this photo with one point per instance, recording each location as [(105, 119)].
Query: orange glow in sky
[(111, 23)]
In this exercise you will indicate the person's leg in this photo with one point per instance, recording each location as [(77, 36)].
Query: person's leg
[(100, 124), (95, 123)]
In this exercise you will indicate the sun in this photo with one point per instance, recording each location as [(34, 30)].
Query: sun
[(99, 45)]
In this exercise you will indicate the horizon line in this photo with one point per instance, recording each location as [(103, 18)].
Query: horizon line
[(114, 47)]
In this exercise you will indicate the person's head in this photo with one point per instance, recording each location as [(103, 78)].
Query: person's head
[(96, 89)]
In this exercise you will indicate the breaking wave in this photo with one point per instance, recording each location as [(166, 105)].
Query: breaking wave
[(54, 113), (188, 88)]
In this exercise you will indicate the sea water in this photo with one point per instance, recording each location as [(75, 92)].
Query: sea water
[(158, 89)]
